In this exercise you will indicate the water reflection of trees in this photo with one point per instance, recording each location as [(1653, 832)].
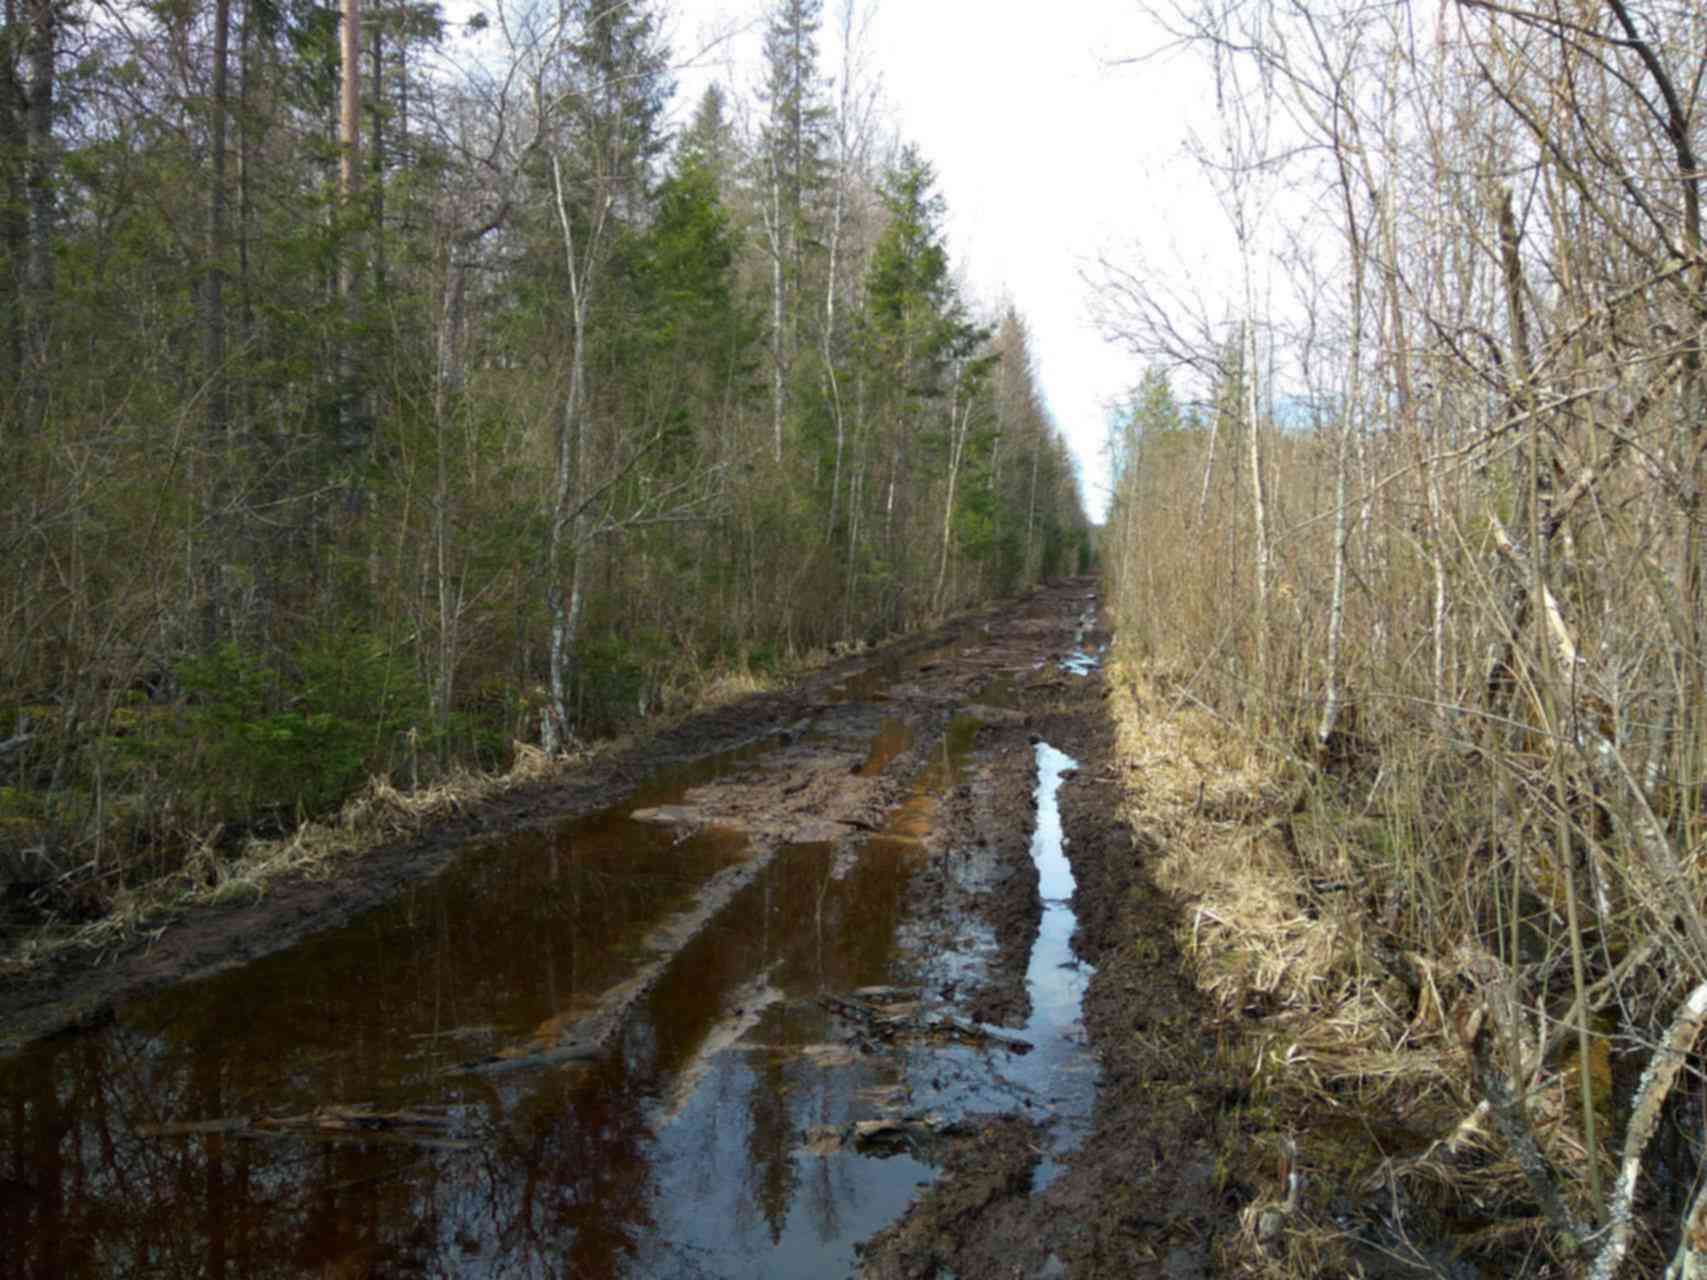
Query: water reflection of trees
[(561, 1177)]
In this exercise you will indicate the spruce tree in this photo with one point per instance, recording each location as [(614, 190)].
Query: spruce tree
[(791, 174)]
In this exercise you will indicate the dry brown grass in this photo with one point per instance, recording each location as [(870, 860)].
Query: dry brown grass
[(732, 686), (1252, 924), (1339, 1054)]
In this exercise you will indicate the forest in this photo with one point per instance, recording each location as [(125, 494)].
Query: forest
[(380, 391), (1419, 514)]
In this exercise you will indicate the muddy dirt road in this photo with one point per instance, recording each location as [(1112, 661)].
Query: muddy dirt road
[(839, 980)]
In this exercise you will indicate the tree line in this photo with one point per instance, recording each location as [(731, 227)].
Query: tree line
[(1445, 445), (376, 390)]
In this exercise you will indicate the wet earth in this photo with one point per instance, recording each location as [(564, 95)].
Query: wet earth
[(862, 977)]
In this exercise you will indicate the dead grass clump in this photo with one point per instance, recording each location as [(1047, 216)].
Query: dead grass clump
[(1321, 1025), (1264, 942), (731, 686)]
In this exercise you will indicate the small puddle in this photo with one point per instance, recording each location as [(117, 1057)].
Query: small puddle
[(910, 823), (892, 738), (734, 1190), (1082, 661), (1061, 1068)]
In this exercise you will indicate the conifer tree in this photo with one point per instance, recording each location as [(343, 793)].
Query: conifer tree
[(791, 162)]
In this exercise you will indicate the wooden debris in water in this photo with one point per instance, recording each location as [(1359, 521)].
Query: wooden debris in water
[(899, 1019), (354, 1122)]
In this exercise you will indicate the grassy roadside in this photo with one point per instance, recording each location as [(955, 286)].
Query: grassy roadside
[(1363, 1125)]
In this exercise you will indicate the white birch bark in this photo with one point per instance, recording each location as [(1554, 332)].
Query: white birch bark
[(563, 544), (853, 124), (959, 424), (776, 242)]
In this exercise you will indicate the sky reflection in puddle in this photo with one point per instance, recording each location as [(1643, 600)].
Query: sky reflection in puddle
[(1055, 1083)]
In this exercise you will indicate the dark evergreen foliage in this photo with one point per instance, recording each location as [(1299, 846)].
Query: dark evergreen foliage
[(262, 541)]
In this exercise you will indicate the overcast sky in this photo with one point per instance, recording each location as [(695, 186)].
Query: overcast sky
[(1046, 155)]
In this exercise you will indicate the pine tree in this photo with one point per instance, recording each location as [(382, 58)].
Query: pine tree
[(916, 334)]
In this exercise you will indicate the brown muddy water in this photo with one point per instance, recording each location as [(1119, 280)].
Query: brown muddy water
[(333, 1110)]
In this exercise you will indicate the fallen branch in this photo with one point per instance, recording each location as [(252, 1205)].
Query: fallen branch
[(1512, 1120), (888, 1022), (1505, 1103), (1657, 1080)]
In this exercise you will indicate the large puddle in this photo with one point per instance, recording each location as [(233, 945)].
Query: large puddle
[(316, 1112)]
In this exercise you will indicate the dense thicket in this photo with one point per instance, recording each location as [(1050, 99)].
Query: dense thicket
[(1432, 529), (348, 420)]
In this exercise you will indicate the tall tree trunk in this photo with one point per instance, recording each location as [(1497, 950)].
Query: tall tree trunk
[(959, 422), (1342, 465), (1208, 469), (852, 131), (565, 541), (778, 254), (349, 114), (837, 214), (349, 188), (856, 498), (447, 388), (245, 206), (42, 47), (216, 521), (14, 210), (447, 395), (376, 155), (1343, 121), (563, 554), (1259, 495), (218, 230), (1032, 567)]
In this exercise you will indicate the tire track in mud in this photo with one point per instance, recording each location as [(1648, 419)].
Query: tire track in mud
[(1139, 1195), (835, 778)]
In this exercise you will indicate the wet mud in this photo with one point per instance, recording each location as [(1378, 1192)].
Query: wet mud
[(1134, 1189), (837, 980)]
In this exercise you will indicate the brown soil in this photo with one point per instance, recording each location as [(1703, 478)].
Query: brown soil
[(1140, 1196)]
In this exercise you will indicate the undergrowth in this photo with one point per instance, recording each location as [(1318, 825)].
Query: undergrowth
[(284, 787), (1345, 983)]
